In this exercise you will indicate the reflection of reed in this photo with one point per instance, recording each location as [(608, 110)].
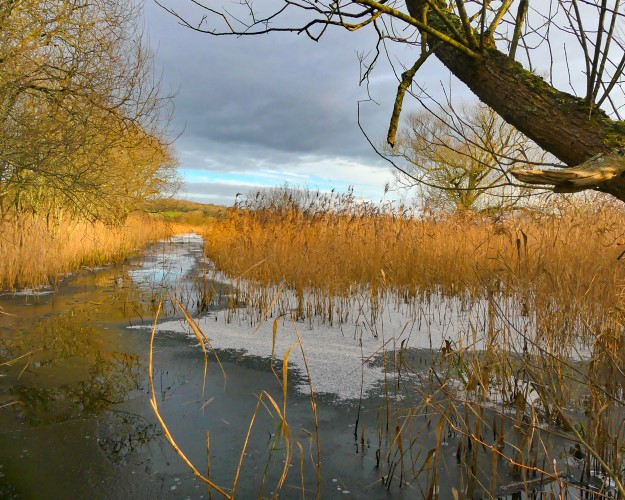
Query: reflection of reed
[(68, 348), (126, 434)]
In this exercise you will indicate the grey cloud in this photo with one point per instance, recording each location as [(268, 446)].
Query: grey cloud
[(207, 154), (270, 101), (281, 91)]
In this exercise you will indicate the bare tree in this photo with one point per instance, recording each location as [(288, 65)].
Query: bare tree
[(461, 158), (493, 47), (82, 124)]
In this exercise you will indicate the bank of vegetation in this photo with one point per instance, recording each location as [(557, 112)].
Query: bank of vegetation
[(183, 211), (32, 255), (560, 252), (83, 135)]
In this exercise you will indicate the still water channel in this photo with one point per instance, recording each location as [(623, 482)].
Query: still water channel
[(75, 414)]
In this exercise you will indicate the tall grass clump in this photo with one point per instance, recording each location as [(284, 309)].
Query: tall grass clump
[(34, 253), (559, 257)]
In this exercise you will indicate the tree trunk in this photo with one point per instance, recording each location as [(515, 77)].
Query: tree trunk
[(558, 122)]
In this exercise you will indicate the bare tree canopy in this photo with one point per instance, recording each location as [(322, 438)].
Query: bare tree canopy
[(495, 48), (460, 157), (82, 124)]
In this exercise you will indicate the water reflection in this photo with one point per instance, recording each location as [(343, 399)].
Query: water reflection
[(68, 364), (124, 434), (69, 368)]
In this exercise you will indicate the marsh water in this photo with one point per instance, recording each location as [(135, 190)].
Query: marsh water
[(75, 413)]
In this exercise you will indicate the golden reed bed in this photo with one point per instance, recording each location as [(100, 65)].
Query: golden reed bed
[(33, 254)]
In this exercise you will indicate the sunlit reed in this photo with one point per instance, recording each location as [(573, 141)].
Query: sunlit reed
[(34, 253)]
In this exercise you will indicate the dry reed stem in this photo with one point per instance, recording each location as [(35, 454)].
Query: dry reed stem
[(545, 263), (280, 412), (247, 438), (202, 339), (208, 463), (14, 360), (313, 405), (285, 432), (166, 432), (199, 337), (10, 404)]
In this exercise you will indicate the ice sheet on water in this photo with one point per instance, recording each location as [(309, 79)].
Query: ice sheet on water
[(336, 356), (43, 290), (187, 238), (166, 263)]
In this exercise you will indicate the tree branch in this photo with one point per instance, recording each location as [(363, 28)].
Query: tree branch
[(591, 174)]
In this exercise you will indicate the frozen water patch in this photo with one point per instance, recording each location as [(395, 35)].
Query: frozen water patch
[(338, 358), (187, 238), (30, 292), (168, 262), (334, 360)]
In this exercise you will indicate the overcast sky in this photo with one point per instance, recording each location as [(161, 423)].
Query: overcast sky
[(263, 110)]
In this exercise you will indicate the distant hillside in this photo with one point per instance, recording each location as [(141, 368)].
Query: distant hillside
[(172, 208)]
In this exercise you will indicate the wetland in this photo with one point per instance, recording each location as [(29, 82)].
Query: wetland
[(374, 405)]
